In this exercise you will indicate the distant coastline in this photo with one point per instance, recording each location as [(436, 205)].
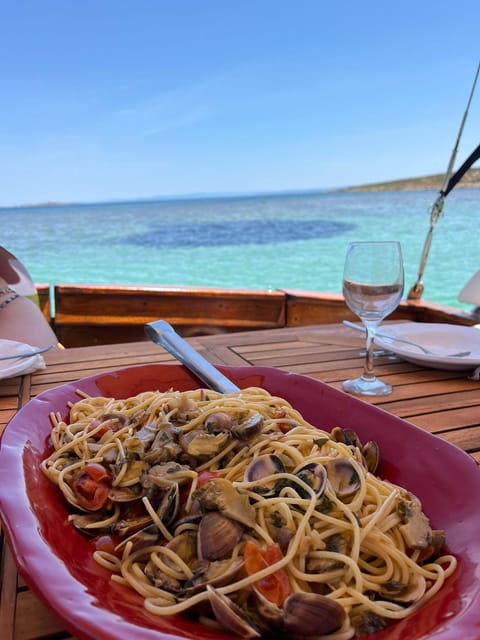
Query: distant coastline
[(471, 180), (39, 204)]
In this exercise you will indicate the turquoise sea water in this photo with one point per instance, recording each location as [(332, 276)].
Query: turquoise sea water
[(261, 242)]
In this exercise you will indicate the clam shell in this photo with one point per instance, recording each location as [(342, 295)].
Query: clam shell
[(217, 536), (311, 614), (230, 616)]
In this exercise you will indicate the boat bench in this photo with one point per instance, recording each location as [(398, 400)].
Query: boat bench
[(308, 308), (100, 314), (103, 314)]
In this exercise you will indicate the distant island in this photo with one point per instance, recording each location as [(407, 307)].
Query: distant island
[(470, 180)]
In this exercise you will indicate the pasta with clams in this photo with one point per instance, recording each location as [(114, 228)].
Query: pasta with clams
[(232, 508)]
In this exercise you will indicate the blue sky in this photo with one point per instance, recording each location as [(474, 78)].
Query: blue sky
[(124, 99)]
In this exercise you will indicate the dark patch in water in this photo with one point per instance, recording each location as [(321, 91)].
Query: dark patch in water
[(235, 233)]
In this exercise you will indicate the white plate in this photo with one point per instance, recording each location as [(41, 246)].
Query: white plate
[(15, 367), (441, 339)]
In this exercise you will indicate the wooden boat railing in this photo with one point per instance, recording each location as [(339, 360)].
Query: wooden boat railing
[(84, 315)]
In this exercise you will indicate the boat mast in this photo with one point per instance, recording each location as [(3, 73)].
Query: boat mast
[(417, 289)]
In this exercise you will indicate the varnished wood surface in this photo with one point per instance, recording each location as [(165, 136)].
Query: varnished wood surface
[(446, 403), (83, 315)]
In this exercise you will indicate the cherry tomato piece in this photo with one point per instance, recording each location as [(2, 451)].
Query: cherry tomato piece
[(111, 426), (205, 476), (91, 486), (274, 587)]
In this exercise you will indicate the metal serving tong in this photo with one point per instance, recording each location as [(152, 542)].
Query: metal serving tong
[(162, 333)]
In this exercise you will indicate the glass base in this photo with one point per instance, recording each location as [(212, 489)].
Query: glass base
[(367, 386)]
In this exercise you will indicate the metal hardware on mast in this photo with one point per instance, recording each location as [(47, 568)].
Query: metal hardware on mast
[(416, 291)]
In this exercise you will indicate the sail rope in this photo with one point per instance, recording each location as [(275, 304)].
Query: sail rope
[(449, 182)]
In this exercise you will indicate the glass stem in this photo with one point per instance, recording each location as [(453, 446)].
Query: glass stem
[(371, 328)]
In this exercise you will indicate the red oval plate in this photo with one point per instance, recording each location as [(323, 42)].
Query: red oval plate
[(56, 561)]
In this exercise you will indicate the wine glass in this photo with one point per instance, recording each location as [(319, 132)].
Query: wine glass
[(372, 287)]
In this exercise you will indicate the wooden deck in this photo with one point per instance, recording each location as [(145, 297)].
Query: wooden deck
[(446, 403)]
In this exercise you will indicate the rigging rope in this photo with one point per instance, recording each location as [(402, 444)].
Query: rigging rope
[(449, 183)]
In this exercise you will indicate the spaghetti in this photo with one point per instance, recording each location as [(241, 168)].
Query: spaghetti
[(235, 500)]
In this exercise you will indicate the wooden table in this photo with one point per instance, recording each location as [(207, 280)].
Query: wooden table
[(446, 403)]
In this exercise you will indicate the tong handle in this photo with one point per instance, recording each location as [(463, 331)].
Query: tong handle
[(162, 333)]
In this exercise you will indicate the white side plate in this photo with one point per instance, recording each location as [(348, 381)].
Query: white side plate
[(441, 339)]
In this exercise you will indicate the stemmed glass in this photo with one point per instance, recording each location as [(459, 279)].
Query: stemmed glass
[(372, 287)]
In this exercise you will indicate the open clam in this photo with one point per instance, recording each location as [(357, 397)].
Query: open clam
[(347, 436), (371, 455), (231, 616), (169, 503), (248, 428), (315, 476), (343, 477), (262, 467), (87, 523), (369, 451)]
